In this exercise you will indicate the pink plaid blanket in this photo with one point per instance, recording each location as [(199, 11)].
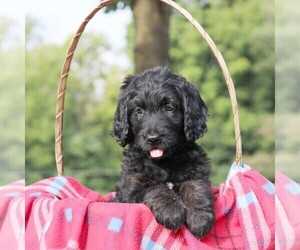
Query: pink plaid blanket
[(60, 213), (12, 217), (287, 203)]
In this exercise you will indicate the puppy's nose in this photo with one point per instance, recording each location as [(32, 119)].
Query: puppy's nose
[(153, 139)]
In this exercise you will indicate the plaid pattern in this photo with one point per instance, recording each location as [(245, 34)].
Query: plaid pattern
[(12, 227), (287, 203), (63, 214)]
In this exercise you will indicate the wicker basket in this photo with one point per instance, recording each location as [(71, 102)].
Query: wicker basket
[(66, 68)]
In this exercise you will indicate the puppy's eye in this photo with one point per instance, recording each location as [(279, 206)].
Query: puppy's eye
[(169, 108), (139, 111)]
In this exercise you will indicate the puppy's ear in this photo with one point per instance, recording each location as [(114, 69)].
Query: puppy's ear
[(195, 112), (121, 127)]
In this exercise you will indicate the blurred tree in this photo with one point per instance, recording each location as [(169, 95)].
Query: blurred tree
[(151, 29), (12, 99), (31, 34), (287, 89), (90, 154), (4, 27), (244, 33), (287, 68)]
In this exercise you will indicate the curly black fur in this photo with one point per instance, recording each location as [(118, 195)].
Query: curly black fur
[(159, 111)]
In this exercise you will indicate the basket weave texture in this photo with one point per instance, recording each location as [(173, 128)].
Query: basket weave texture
[(66, 68)]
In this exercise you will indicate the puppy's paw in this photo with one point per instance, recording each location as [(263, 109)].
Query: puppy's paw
[(170, 214), (199, 222)]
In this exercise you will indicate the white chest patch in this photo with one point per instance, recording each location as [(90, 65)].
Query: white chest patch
[(170, 185)]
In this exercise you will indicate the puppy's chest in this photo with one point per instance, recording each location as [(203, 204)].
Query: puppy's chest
[(173, 178), (170, 174)]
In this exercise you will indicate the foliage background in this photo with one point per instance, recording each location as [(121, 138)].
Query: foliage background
[(244, 33), (12, 99), (287, 89)]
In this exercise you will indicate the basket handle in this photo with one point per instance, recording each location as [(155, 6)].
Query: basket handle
[(66, 68)]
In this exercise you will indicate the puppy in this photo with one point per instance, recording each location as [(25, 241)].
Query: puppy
[(160, 116)]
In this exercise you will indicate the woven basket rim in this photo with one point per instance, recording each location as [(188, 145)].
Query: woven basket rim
[(66, 68)]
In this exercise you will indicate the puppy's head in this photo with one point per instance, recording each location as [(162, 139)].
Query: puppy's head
[(158, 112)]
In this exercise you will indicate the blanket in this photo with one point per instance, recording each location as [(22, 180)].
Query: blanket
[(61, 213), (12, 216), (287, 203)]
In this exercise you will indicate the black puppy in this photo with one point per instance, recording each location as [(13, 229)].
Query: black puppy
[(160, 116)]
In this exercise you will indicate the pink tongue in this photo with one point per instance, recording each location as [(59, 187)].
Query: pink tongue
[(155, 153)]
